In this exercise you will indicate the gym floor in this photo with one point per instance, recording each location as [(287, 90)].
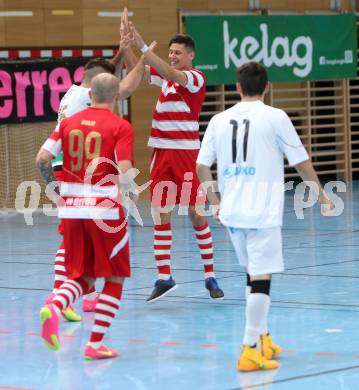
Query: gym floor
[(186, 340)]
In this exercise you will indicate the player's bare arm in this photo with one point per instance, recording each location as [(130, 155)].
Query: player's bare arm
[(43, 162), (130, 83), (205, 176), (163, 68), (307, 173)]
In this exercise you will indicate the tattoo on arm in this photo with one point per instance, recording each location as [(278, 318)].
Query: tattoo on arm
[(48, 174)]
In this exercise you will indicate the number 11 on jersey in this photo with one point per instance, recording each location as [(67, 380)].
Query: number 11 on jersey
[(234, 124)]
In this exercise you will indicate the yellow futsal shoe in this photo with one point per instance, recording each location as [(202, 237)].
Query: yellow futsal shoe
[(252, 360), (70, 315), (267, 348)]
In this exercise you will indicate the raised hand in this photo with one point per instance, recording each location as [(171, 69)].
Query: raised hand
[(137, 39), (126, 39), (124, 27), (152, 45)]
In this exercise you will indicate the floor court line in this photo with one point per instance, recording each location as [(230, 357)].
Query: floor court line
[(225, 301), (294, 378), (323, 276), (322, 265)]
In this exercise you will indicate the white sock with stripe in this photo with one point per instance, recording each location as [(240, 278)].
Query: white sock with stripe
[(257, 308)]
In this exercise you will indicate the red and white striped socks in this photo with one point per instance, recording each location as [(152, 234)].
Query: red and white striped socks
[(162, 249), (60, 274), (205, 245), (106, 310), (68, 293)]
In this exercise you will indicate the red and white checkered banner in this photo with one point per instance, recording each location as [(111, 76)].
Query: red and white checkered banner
[(55, 53)]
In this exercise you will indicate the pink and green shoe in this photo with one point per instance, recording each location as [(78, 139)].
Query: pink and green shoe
[(69, 313), (102, 352), (50, 327)]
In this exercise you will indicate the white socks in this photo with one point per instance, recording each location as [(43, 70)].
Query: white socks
[(257, 309)]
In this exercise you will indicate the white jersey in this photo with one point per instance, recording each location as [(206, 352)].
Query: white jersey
[(76, 99), (249, 141)]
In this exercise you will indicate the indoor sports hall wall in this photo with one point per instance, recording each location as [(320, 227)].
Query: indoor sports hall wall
[(93, 23)]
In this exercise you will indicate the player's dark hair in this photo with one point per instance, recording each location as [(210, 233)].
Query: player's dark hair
[(184, 40), (252, 78), (106, 65)]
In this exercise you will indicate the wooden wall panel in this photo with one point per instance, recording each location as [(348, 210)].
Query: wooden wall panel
[(100, 30), (307, 5), (275, 5), (105, 4), (138, 3), (25, 31), (301, 6), (63, 4), (164, 18), (24, 4), (141, 18), (232, 5), (2, 26), (69, 26), (193, 4)]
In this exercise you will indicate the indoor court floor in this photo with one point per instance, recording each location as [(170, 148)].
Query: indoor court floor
[(186, 341)]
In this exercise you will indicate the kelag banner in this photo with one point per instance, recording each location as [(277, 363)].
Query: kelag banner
[(291, 47), (31, 91)]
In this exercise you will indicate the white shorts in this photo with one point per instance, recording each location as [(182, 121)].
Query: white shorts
[(259, 250)]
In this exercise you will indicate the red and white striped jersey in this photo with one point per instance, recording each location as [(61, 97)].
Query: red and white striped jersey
[(175, 120)]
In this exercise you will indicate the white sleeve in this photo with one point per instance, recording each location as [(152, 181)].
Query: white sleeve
[(52, 146), (289, 141), (54, 143), (195, 80), (207, 154), (156, 78)]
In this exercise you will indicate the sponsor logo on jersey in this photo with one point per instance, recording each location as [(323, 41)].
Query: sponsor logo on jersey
[(238, 171), (88, 123)]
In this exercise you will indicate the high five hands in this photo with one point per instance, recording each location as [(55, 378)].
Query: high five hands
[(130, 36)]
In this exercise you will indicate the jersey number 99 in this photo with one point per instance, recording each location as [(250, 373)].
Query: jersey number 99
[(83, 149)]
